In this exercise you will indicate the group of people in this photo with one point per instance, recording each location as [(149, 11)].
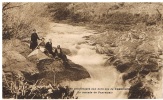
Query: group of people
[(57, 53)]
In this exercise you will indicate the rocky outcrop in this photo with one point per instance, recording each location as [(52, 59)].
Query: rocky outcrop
[(15, 61), (137, 56)]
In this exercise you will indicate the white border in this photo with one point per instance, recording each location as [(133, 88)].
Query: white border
[(1, 51), (55, 1), (81, 1)]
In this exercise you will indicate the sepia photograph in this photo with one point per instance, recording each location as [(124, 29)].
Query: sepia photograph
[(82, 50)]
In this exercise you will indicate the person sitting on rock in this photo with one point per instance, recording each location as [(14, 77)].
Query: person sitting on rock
[(41, 46), (61, 55), (58, 52), (49, 48), (42, 42)]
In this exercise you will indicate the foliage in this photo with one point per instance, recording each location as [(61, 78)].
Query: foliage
[(20, 18), (107, 13)]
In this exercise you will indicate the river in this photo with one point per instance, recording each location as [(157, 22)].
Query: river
[(102, 77)]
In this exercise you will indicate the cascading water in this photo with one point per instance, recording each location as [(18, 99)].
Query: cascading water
[(83, 54)]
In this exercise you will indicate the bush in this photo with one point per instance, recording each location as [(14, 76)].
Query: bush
[(105, 13), (20, 18)]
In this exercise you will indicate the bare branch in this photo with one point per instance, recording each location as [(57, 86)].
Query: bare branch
[(13, 7), (5, 5)]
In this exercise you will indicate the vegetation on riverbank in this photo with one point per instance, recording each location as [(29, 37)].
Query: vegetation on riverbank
[(19, 19)]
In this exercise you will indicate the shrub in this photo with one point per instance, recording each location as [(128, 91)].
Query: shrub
[(20, 18)]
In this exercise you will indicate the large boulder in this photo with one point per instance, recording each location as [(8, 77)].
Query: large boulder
[(74, 73), (51, 70), (17, 63), (16, 45), (37, 55), (50, 65)]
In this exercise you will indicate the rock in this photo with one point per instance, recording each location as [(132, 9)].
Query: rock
[(66, 51), (27, 40), (139, 91), (50, 68), (14, 55), (148, 47), (17, 63), (126, 48), (101, 49), (86, 37), (132, 70), (144, 71), (129, 75), (16, 45), (74, 73), (123, 67), (92, 43), (37, 55), (50, 65), (111, 60), (151, 66)]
